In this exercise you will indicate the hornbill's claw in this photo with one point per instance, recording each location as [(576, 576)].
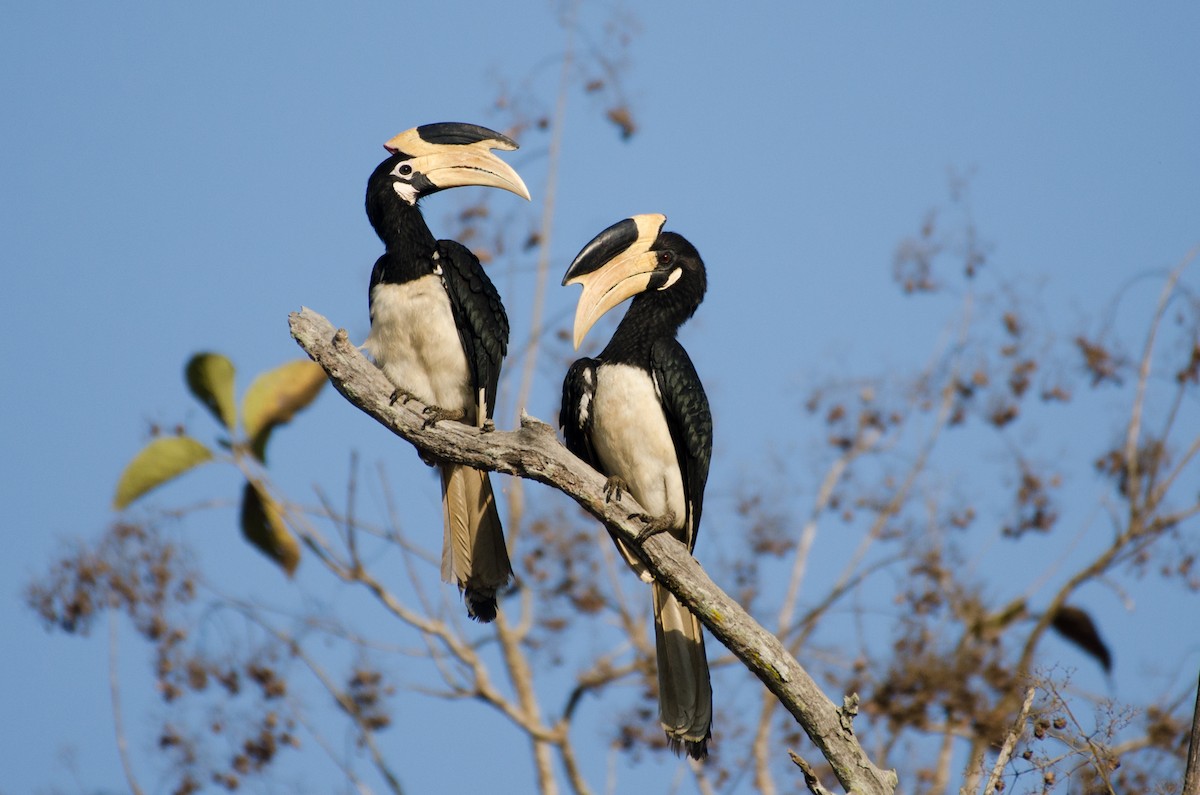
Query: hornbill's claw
[(435, 414), (613, 487), (654, 525)]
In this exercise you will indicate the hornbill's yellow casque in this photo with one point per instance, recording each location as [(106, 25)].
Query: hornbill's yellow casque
[(438, 328), (638, 414)]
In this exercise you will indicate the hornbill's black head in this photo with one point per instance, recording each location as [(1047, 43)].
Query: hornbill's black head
[(433, 157), (635, 257)]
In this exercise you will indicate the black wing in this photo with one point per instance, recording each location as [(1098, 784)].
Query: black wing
[(575, 416), (689, 418), (479, 315), (383, 266)]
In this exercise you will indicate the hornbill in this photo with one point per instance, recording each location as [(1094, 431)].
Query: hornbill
[(638, 414), (439, 331)]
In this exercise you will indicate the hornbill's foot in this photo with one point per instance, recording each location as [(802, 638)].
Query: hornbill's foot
[(400, 395), (654, 525), (613, 487), (435, 414), (488, 426)]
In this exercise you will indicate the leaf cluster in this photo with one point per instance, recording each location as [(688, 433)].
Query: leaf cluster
[(271, 401)]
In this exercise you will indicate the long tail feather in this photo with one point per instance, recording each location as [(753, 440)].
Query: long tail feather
[(684, 688), (473, 553)]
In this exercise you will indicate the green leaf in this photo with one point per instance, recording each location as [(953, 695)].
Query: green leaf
[(275, 397), (210, 377), (263, 526), (163, 459)]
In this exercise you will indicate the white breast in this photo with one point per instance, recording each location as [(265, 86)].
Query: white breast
[(414, 341), (632, 440)]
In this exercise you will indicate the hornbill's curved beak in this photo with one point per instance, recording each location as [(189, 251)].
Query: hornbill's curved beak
[(453, 154), (617, 264)]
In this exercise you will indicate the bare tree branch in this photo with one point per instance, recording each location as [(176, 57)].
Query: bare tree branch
[(534, 452), (1010, 742), (521, 677), (810, 776), (1133, 433), (1191, 778)]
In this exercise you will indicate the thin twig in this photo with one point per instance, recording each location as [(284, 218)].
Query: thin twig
[(1164, 485), (1132, 472), (351, 501), (114, 686), (1010, 742), (365, 733), (1100, 760), (347, 771), (808, 532), (601, 673), (810, 776)]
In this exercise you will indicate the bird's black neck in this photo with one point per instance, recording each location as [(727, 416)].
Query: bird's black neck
[(410, 244), (651, 316)]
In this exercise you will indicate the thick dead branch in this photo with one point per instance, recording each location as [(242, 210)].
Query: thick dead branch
[(534, 452)]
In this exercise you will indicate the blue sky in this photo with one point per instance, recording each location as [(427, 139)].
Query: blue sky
[(179, 177)]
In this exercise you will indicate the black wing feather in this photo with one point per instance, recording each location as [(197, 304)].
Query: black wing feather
[(689, 418), (378, 273), (575, 415), (478, 313)]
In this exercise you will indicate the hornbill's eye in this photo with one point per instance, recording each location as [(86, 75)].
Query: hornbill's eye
[(666, 258), (403, 170)]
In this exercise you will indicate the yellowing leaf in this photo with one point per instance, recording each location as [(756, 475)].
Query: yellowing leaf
[(163, 459), (210, 377), (275, 397), (263, 526)]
